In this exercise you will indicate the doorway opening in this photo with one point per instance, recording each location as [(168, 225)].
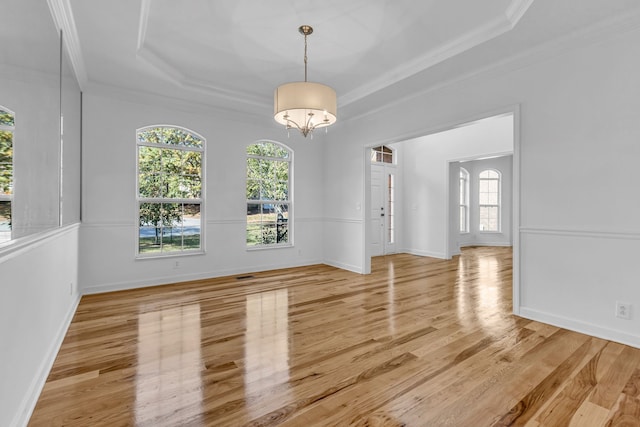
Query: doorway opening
[(425, 185)]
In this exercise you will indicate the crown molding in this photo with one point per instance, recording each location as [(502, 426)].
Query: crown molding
[(495, 27), (466, 41), (586, 36), (176, 77), (63, 18), (516, 10), (172, 74), (141, 97)]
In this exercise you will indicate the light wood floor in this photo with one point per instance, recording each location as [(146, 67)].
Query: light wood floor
[(419, 342)]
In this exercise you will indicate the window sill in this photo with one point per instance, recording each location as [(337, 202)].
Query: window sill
[(169, 255), (266, 247)]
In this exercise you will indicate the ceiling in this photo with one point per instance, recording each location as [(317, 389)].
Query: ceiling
[(232, 54)]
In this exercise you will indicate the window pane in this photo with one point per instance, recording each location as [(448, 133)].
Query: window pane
[(253, 189), (191, 227), (463, 218), (268, 234), (5, 221), (190, 187), (192, 163), (282, 191), (492, 186), (151, 185), (483, 198), (150, 214), (254, 235), (492, 199), (6, 118), (149, 239), (149, 159), (6, 162), (489, 218)]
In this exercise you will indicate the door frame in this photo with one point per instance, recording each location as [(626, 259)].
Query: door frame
[(513, 109)]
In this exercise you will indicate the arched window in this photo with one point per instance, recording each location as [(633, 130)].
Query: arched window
[(382, 154), (170, 191), (7, 127), (489, 200), (464, 200), (268, 194)]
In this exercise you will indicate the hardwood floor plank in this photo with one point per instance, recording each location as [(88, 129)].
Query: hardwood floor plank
[(617, 376), (418, 342)]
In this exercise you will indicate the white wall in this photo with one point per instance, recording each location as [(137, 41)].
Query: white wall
[(38, 297), (579, 133), (108, 236), (425, 170), (503, 165)]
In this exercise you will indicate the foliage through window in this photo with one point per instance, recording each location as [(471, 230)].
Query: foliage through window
[(7, 127), (464, 200), (268, 194), (170, 190), (382, 154), (489, 200)]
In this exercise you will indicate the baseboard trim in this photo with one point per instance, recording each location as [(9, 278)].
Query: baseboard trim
[(579, 326), (343, 266), (167, 280), (25, 410), (439, 255)]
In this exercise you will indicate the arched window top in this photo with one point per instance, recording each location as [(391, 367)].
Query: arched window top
[(382, 154), (170, 135), (268, 149), (464, 174), (7, 118), (490, 174)]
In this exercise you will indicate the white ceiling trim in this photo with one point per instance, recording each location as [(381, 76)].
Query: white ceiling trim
[(63, 19), (170, 73), (594, 33), (516, 10), (468, 40), (494, 28)]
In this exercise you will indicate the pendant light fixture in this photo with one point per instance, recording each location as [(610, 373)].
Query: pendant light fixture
[(305, 105)]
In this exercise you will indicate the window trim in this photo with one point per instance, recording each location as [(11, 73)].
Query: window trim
[(200, 201), (498, 205), (289, 201)]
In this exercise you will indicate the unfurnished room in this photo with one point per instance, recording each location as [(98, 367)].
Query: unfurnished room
[(341, 213)]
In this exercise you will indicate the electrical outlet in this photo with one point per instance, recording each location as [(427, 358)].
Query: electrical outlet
[(623, 310), (70, 288), (176, 264)]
